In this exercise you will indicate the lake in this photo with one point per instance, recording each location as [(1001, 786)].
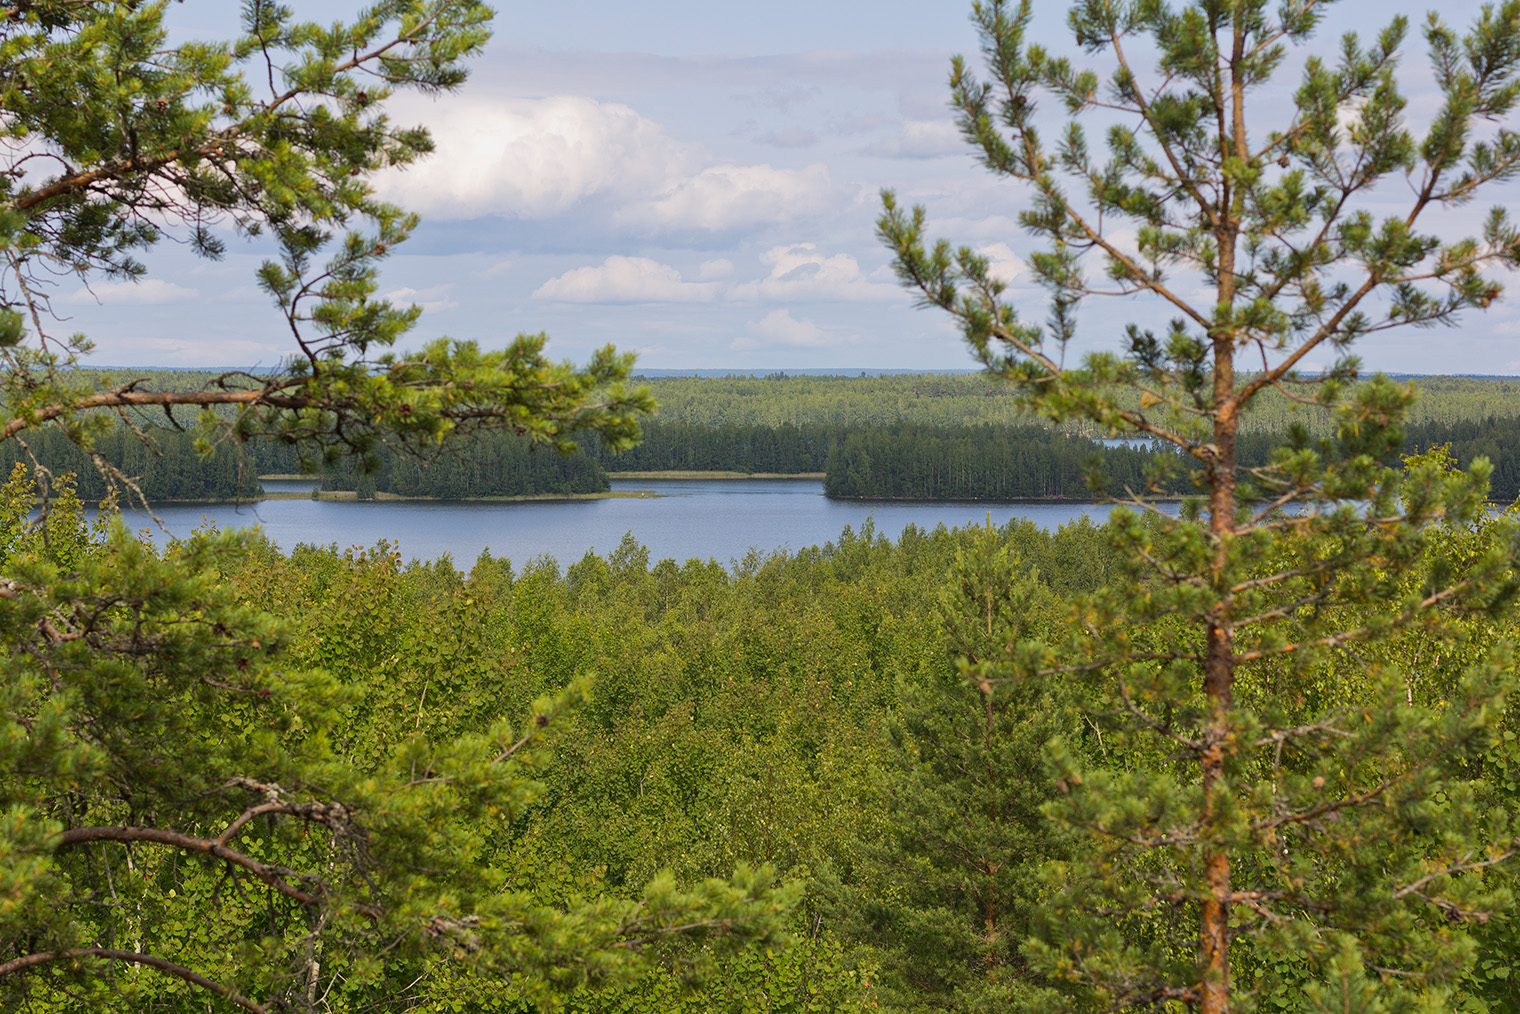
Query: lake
[(721, 519)]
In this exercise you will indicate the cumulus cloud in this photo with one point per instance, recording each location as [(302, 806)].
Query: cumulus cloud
[(800, 273), (1002, 261), (431, 299), (921, 139), (724, 197), (625, 280), (145, 291), (534, 158), (722, 267), (779, 327), (545, 157)]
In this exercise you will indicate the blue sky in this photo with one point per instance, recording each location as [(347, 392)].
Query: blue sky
[(698, 183)]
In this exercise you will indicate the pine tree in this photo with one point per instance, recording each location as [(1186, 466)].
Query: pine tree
[(966, 801), (1288, 805), (277, 133)]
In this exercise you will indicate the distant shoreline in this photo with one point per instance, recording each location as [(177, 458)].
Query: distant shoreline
[(348, 495), (714, 475)]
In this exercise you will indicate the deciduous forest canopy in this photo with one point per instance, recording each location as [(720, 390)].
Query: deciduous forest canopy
[(1261, 756)]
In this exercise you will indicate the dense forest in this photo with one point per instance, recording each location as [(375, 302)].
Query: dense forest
[(817, 713), (977, 462), (168, 464), (1030, 462), (728, 447), (946, 447), (165, 462), (963, 399), (491, 465), (1258, 756)]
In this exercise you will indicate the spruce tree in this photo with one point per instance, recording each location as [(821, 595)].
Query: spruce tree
[(1290, 802)]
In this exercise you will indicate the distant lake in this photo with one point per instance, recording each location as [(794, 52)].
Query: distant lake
[(720, 519)]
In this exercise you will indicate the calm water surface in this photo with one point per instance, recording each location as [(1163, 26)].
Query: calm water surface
[(709, 518)]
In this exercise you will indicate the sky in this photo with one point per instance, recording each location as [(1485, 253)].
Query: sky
[(698, 183)]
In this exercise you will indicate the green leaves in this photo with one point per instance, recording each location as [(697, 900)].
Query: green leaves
[(181, 776)]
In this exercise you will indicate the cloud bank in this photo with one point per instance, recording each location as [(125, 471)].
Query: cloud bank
[(541, 158)]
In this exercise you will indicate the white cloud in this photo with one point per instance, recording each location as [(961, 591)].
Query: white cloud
[(800, 273), (625, 280), (724, 197), (532, 158), (432, 300), (1002, 261), (779, 327), (715, 269), (922, 139), (145, 291), (540, 158)]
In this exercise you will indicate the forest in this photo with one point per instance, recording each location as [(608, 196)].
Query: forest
[(815, 714), (1256, 755), (867, 453)]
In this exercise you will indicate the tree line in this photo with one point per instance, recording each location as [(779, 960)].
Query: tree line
[(898, 461), (979, 463), (964, 399), (1032, 462)]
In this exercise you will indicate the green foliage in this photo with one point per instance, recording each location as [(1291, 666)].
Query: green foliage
[(966, 791), (985, 462), (491, 464), (187, 793), (1278, 777), (279, 133), (735, 718)]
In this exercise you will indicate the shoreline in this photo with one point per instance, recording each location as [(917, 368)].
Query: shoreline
[(350, 496), (1100, 501), (691, 474)]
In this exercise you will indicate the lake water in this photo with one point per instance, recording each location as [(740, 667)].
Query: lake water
[(719, 519)]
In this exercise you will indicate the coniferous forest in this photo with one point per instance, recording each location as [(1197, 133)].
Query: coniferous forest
[(899, 458)]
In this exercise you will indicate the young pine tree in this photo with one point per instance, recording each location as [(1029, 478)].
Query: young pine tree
[(966, 802), (1291, 805)]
